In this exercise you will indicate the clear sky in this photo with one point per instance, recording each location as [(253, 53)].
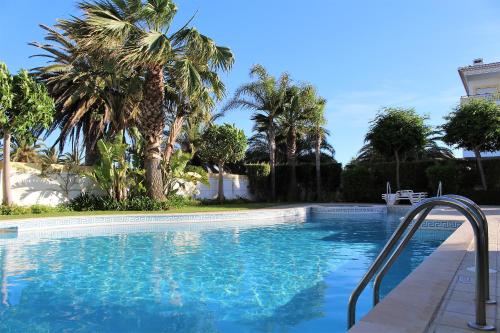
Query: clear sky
[(361, 55)]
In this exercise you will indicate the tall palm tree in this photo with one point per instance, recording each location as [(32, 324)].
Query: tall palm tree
[(192, 97), (266, 96), (318, 131), (293, 122), (93, 96), (138, 33)]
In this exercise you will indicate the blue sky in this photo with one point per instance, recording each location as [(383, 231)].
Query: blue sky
[(361, 55)]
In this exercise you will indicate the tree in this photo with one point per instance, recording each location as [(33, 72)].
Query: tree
[(94, 97), (25, 108), (138, 33), (293, 122), (317, 130), (395, 131), (430, 151), (475, 126), (185, 101), (266, 97), (25, 149), (223, 144)]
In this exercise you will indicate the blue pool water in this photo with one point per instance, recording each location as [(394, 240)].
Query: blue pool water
[(283, 277)]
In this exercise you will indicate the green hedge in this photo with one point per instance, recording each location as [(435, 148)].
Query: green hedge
[(306, 181), (259, 182), (366, 183), (258, 179)]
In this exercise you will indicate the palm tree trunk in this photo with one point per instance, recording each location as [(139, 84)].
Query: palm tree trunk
[(92, 133), (150, 123), (317, 153), (7, 191), (477, 153), (175, 130), (292, 163), (91, 153), (220, 192), (272, 160), (396, 155), (152, 166)]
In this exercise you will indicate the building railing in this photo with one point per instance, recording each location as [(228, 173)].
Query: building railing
[(491, 97)]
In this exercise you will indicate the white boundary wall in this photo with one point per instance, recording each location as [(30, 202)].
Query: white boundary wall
[(235, 187), (30, 188)]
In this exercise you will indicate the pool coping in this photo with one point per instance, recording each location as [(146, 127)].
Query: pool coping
[(106, 220)]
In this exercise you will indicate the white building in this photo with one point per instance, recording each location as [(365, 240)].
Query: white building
[(481, 80)]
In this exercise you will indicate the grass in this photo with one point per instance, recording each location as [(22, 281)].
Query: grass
[(187, 209)]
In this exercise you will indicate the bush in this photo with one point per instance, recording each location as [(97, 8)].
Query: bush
[(144, 203), (489, 197), (86, 202), (212, 202), (26, 210), (358, 185), (258, 180), (178, 201), (448, 173)]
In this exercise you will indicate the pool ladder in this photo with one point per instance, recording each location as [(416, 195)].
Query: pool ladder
[(479, 224)]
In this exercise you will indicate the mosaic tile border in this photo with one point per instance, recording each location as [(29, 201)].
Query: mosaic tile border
[(440, 225), (201, 220), (291, 213), (96, 221), (334, 210)]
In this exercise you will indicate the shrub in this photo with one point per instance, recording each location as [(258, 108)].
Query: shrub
[(357, 185), (448, 173), (144, 203), (259, 185), (258, 180), (178, 201), (88, 202), (26, 210)]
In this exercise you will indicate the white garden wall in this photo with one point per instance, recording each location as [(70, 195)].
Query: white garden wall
[(235, 187), (29, 187)]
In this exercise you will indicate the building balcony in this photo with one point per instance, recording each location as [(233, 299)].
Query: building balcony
[(492, 97)]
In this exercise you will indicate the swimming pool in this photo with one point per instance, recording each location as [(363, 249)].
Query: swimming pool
[(282, 277)]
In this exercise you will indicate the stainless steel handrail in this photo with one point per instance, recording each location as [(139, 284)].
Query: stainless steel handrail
[(481, 251), (480, 220), (484, 220)]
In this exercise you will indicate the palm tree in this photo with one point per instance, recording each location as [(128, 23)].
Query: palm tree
[(25, 151), (138, 34), (293, 122), (319, 133), (93, 96), (193, 97), (50, 156), (266, 97), (194, 126)]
